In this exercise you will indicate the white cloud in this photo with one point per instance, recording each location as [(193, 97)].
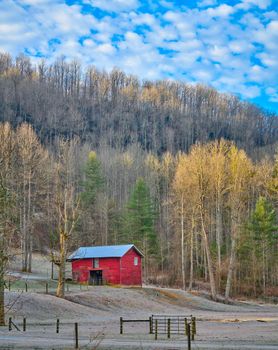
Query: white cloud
[(204, 76), (145, 18), (220, 11), (219, 53), (114, 5), (215, 43), (207, 3), (247, 4), (268, 60), (240, 46), (167, 4), (273, 94), (33, 2), (106, 49)]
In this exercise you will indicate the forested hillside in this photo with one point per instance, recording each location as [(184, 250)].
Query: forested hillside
[(119, 110), (187, 174)]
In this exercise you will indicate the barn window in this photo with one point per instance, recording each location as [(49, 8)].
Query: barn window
[(96, 263), (135, 261)]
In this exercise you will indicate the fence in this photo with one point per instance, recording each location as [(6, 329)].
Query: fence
[(13, 325), (122, 321), (171, 323), (69, 331), (41, 286), (167, 324)]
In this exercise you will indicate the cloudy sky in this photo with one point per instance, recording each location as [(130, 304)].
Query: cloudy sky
[(230, 45)]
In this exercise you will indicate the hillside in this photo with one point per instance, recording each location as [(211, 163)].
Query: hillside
[(185, 173), (65, 99)]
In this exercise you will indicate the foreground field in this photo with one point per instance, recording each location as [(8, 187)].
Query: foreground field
[(240, 326), (98, 309)]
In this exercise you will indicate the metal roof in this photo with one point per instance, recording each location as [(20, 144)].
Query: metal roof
[(107, 251)]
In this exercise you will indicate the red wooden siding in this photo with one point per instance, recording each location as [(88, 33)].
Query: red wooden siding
[(130, 273), (110, 269), (114, 270)]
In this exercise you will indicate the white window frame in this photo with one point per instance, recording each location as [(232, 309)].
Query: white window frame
[(136, 261), (96, 263)]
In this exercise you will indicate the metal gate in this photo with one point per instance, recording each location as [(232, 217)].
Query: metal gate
[(171, 324)]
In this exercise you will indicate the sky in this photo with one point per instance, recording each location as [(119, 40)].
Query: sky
[(229, 45)]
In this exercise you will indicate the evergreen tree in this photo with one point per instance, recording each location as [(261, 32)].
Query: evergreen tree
[(263, 223), (92, 186), (263, 226), (139, 219), (93, 180)]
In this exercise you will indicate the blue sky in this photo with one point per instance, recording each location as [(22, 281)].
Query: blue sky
[(230, 45)]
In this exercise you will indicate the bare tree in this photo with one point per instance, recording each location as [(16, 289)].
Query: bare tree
[(7, 225), (66, 206)]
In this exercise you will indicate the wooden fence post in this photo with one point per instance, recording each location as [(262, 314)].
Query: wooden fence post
[(185, 326), (168, 327), (52, 270), (156, 327), (26, 287), (188, 336), (76, 335), (9, 285), (193, 322), (24, 324), (151, 324), (10, 324), (192, 328), (57, 325), (46, 288), (121, 325)]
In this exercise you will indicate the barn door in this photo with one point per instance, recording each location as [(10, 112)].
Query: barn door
[(96, 278)]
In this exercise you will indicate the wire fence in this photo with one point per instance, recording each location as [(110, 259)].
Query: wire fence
[(42, 286), (59, 332)]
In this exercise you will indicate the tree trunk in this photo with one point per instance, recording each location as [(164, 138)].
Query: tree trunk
[(219, 229), (145, 260), (182, 245), (25, 234), (231, 268), (62, 267), (264, 273), (254, 273), (29, 241), (209, 261), (30, 253), (191, 254), (2, 287)]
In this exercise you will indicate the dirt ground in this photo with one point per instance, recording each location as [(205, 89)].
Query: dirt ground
[(98, 310)]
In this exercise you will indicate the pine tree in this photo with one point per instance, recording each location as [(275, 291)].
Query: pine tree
[(139, 219), (93, 180), (263, 226), (92, 186), (263, 222)]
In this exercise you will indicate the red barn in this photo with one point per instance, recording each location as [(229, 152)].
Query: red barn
[(115, 264)]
